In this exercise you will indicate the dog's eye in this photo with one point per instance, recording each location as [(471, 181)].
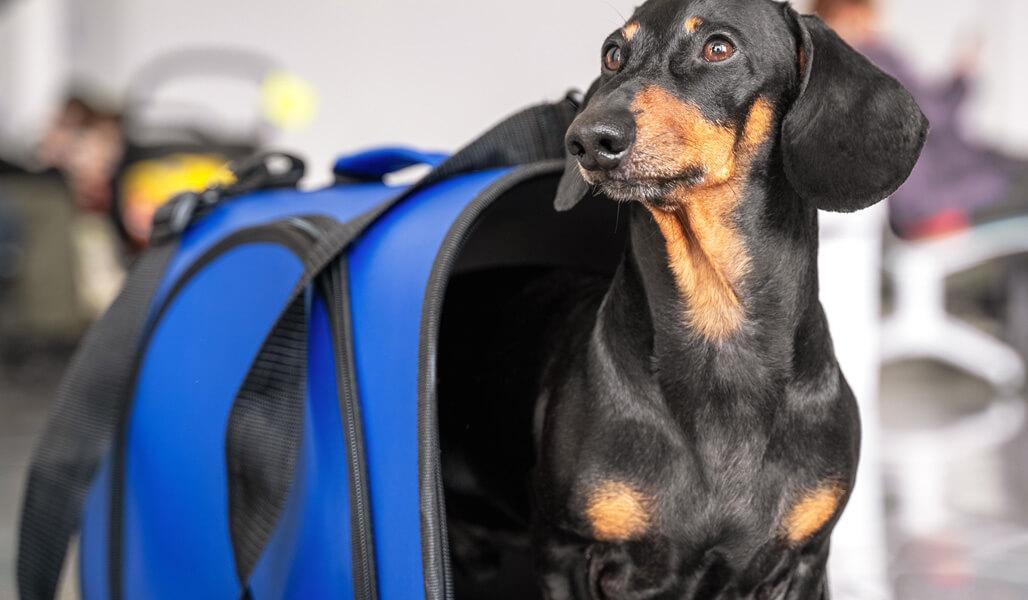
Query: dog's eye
[(612, 58), (717, 50)]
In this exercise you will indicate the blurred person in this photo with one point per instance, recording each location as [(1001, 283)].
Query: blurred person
[(956, 183), (86, 145)]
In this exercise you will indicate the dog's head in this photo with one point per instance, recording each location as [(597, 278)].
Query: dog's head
[(696, 94)]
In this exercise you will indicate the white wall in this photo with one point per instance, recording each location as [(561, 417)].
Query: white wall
[(33, 68), (434, 73), (427, 73), (936, 31)]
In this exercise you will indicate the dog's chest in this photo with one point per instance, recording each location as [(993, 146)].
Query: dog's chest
[(640, 474)]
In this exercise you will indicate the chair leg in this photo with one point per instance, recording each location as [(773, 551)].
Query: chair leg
[(920, 328), (1017, 305), (978, 353)]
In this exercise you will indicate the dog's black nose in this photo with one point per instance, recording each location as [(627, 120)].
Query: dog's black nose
[(601, 144)]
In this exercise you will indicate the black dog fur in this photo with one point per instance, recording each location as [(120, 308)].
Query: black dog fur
[(694, 436), (689, 446)]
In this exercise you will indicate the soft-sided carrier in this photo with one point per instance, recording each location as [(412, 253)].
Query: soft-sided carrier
[(256, 415)]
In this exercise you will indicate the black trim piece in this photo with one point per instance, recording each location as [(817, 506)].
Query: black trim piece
[(286, 232), (434, 543), (334, 285), (297, 238)]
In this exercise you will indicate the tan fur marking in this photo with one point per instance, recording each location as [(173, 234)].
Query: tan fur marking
[(672, 136), (811, 513), (630, 29), (705, 252), (692, 24), (618, 512)]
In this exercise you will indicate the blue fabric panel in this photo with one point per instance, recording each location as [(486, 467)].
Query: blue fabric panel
[(389, 271), (93, 538), (309, 555), (176, 542)]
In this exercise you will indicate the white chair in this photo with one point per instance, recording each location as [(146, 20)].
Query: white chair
[(920, 328)]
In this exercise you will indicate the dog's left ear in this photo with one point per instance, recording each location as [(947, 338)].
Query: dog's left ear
[(853, 133), (572, 187)]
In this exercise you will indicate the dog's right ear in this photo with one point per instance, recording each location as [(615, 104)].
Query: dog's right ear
[(572, 187)]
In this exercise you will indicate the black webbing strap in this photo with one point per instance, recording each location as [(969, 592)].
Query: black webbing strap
[(532, 135), (262, 440), (90, 400)]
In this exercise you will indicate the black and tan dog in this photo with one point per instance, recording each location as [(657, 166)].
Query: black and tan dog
[(695, 436)]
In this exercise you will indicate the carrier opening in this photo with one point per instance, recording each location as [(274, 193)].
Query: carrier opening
[(521, 268)]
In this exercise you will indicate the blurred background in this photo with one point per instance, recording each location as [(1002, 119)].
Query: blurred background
[(108, 107)]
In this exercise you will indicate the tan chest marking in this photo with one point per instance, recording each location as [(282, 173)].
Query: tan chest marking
[(706, 254), (812, 512), (618, 512)]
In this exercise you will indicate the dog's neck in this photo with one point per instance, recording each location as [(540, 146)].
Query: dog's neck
[(722, 295)]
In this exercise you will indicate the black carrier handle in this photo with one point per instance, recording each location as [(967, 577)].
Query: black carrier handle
[(263, 171)]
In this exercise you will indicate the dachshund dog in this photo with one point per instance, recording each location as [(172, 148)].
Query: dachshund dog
[(694, 435)]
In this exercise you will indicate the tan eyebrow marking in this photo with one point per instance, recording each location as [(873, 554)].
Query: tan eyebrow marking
[(618, 512), (692, 24), (630, 29)]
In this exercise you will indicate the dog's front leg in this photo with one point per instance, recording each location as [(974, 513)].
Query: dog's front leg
[(809, 580), (561, 565)]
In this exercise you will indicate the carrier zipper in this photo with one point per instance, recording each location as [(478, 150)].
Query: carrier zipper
[(335, 288), (334, 283), (434, 542)]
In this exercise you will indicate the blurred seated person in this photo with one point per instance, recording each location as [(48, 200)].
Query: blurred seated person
[(85, 145), (955, 184)]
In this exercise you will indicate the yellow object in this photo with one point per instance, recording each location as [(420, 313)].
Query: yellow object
[(148, 184), (288, 101)]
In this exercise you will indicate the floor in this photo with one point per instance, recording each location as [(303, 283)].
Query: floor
[(979, 551), (28, 380), (978, 547)]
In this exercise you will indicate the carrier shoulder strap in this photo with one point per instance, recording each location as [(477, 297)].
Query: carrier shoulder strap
[(81, 427), (96, 389), (532, 135)]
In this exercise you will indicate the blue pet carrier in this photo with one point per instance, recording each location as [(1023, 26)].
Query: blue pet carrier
[(255, 416)]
